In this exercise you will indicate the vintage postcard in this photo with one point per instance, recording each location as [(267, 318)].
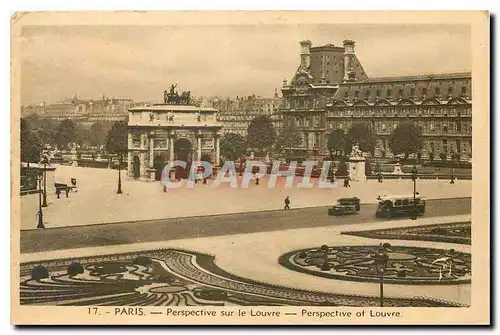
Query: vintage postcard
[(197, 168)]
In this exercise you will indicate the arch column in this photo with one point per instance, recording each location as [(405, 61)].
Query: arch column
[(129, 155), (217, 150), (151, 156), (171, 153), (198, 146)]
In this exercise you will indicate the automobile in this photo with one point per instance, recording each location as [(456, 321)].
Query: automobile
[(345, 206), (390, 206)]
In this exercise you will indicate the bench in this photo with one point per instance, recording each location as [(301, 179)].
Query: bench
[(63, 187)]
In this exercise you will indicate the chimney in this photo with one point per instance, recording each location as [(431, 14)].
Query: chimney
[(305, 54), (348, 55)]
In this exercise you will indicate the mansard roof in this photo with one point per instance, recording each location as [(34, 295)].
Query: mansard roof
[(430, 88)]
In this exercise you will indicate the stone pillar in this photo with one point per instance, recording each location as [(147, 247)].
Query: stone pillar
[(151, 158), (151, 152), (217, 151), (144, 166), (129, 164), (198, 148), (171, 149), (129, 155)]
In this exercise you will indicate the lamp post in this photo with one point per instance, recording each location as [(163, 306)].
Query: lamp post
[(44, 204), (40, 212), (119, 191), (414, 174), (380, 260)]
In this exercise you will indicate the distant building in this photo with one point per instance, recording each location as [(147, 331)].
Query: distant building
[(236, 115), (102, 110), (330, 90)]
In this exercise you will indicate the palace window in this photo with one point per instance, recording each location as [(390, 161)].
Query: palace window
[(445, 128), (346, 95), (437, 91), (450, 90), (356, 94), (424, 91), (383, 126), (412, 91), (464, 90), (431, 127), (389, 93), (377, 93), (459, 127), (400, 92), (367, 94)]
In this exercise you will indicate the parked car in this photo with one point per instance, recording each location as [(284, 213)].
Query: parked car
[(345, 206)]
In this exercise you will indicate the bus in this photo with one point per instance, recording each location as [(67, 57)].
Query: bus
[(390, 206)]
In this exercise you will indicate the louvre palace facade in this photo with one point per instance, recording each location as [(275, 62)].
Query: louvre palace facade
[(330, 90)]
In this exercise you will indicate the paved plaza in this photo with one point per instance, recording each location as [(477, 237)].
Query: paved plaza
[(246, 245), (240, 255), (97, 202)]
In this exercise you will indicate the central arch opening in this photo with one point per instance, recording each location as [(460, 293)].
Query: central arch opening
[(159, 163), (183, 149)]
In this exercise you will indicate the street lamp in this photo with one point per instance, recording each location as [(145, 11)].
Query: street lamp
[(119, 191), (40, 212), (380, 259), (44, 204), (414, 175)]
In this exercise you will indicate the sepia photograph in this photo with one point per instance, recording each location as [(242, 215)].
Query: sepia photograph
[(250, 168)]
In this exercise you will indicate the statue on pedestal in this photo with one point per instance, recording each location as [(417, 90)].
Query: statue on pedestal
[(356, 152)]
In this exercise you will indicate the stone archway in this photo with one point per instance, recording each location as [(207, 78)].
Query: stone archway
[(136, 167), (183, 150)]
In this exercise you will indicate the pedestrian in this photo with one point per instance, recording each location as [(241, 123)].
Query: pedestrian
[(257, 180), (205, 181), (380, 177), (347, 179), (164, 189), (287, 203), (345, 182)]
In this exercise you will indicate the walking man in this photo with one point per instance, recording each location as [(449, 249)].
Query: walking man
[(347, 179), (379, 177), (287, 203)]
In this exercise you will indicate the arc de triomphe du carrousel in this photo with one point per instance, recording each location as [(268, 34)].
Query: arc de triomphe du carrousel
[(174, 130)]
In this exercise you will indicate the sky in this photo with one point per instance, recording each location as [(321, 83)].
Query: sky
[(140, 62)]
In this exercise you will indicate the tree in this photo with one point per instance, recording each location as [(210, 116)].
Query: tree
[(117, 143), (342, 168), (45, 128), (82, 135), (288, 138), (261, 133), (363, 135), (232, 146), (31, 146), (65, 133), (337, 142), (117, 138), (406, 139), (97, 134)]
